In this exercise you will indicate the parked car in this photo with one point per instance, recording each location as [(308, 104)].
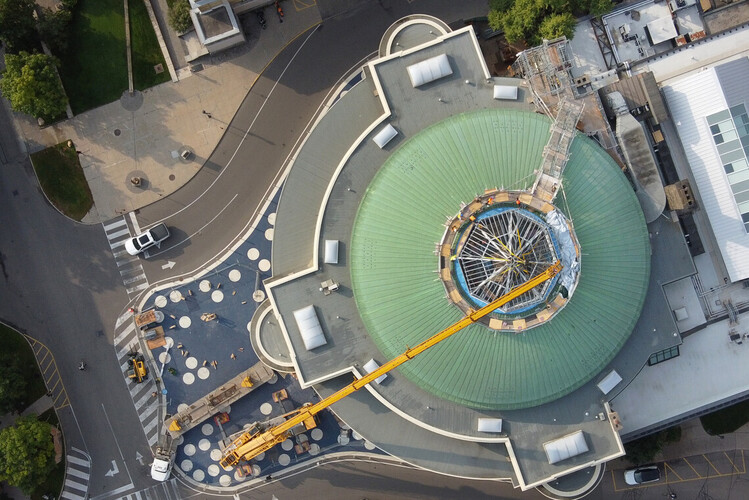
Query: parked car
[(152, 237), (642, 475)]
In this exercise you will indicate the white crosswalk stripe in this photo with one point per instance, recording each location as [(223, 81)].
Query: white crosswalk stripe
[(77, 475), (162, 491), (133, 276), (146, 405)]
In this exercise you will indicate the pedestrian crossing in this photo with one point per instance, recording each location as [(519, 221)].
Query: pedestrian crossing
[(77, 473), (132, 273), (146, 404), (162, 491)]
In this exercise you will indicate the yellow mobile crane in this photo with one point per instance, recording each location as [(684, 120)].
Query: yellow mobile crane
[(256, 441)]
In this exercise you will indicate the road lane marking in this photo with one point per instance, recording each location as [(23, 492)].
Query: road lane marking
[(127, 331), (71, 496), (137, 288), (690, 466), (247, 132), (136, 226), (199, 230), (78, 473), (75, 486), (666, 467), (77, 461), (117, 234), (117, 223), (711, 465)]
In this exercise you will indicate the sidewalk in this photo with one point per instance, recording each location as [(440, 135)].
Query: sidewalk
[(143, 135)]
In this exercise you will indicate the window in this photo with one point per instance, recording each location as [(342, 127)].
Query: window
[(730, 131), (664, 355)]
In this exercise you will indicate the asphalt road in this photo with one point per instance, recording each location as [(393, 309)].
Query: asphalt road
[(60, 285), (219, 203)]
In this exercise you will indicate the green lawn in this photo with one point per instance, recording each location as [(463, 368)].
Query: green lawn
[(61, 177), (726, 420), (94, 70), (13, 342), (145, 46)]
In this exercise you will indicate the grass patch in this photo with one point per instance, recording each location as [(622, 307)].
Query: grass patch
[(14, 343), (94, 69), (726, 420), (145, 48), (52, 485), (61, 177)]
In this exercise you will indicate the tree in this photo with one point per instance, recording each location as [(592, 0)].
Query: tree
[(31, 85), (17, 26), (597, 8), (12, 384), (26, 453), (53, 27), (557, 25), (179, 16), (534, 20), (644, 450)]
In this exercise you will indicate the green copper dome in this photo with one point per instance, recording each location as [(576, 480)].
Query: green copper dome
[(394, 264)]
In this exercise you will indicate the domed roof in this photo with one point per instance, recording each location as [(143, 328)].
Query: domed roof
[(394, 264)]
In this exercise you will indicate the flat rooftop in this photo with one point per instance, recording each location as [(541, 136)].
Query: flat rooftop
[(331, 176)]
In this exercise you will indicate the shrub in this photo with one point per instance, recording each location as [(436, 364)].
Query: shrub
[(179, 16)]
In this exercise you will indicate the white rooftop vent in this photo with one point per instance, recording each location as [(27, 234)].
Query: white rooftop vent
[(609, 382), (430, 70), (331, 252), (309, 326), (509, 92), (565, 447), (490, 425), (371, 366), (385, 135)]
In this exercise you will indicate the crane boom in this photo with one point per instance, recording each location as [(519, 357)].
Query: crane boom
[(249, 445)]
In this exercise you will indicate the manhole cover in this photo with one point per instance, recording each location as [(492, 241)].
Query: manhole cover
[(117, 132), (159, 68), (172, 177)]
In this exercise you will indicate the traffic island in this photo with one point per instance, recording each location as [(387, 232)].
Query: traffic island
[(62, 180)]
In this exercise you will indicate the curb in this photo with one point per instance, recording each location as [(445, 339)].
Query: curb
[(47, 197), (160, 38)]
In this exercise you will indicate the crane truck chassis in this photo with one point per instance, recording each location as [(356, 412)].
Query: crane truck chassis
[(261, 438)]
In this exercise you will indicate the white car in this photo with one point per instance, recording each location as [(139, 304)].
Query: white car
[(160, 469), (642, 475), (144, 241)]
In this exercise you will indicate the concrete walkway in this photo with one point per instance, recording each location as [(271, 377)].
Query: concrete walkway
[(143, 135)]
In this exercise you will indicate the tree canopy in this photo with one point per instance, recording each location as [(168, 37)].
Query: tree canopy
[(32, 86), (179, 16), (12, 384), (535, 20), (26, 453), (17, 26)]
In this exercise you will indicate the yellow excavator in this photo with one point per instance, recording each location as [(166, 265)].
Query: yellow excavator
[(258, 440)]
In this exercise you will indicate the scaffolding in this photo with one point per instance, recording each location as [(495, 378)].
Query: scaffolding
[(502, 252), (546, 67), (557, 150)]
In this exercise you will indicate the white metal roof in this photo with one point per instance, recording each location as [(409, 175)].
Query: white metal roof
[(690, 101)]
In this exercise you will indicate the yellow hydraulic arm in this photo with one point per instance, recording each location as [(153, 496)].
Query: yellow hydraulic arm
[(249, 445)]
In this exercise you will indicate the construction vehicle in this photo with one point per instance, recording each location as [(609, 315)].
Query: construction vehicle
[(137, 370), (262, 437)]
